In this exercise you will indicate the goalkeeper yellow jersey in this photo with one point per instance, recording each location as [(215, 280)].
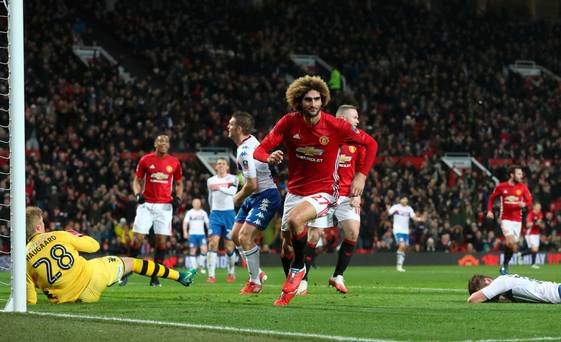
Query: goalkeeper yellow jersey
[(55, 267)]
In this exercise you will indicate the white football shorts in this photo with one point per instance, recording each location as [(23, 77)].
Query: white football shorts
[(343, 211), (511, 228), (158, 215), (321, 202)]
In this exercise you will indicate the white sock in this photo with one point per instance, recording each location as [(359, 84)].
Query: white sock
[(400, 258), (187, 263), (252, 257), (193, 260), (231, 259), (212, 258), (241, 253), (202, 260)]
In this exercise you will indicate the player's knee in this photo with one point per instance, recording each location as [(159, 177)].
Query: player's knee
[(313, 235), (351, 235), (294, 221)]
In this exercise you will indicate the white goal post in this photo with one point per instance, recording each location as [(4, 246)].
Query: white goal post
[(17, 301)]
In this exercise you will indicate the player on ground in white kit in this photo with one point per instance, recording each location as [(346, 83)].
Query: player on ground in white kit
[(258, 199), (152, 186), (347, 210), (194, 223), (221, 190), (513, 288), (401, 212)]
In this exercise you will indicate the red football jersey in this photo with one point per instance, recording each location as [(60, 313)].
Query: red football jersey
[(159, 174), (313, 149), (348, 158), (511, 196), (533, 227)]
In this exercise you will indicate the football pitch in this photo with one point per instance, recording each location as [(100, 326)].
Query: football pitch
[(427, 303)]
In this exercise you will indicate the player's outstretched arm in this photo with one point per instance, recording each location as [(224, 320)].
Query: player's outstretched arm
[(30, 290), (477, 297), (272, 140), (84, 243), (492, 198)]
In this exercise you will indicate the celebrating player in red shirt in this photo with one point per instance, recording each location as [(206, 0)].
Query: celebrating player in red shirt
[(312, 138), (514, 196), (152, 187), (347, 211)]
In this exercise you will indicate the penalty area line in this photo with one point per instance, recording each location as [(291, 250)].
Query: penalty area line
[(211, 327)]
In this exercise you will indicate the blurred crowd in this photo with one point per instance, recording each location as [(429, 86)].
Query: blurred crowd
[(425, 83)]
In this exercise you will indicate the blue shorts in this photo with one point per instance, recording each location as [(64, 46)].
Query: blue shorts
[(197, 241), (259, 209), (401, 237), (221, 223)]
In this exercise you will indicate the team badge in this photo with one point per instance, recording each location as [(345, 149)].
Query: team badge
[(324, 140), (169, 169), (518, 192), (352, 149)]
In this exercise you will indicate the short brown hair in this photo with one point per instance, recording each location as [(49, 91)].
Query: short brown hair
[(476, 283), (297, 89), (343, 108), (245, 121), (512, 169), (33, 218)]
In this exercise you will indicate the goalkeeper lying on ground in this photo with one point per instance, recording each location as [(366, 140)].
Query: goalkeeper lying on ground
[(56, 268)]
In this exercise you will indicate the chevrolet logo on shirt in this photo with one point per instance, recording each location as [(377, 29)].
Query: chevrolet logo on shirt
[(159, 176), (309, 151), (344, 158), (511, 199)]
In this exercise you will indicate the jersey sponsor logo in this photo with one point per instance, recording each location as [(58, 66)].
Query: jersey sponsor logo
[(511, 200), (159, 177), (345, 161), (309, 153), (324, 140), (169, 168), (352, 149)]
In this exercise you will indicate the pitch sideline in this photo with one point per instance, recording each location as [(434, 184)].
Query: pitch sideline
[(212, 327)]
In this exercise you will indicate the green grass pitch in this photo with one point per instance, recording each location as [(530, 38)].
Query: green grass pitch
[(427, 303)]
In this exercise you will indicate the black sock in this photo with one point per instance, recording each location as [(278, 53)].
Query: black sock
[(309, 254), (286, 261), (159, 256), (508, 255), (134, 251), (534, 257), (299, 244), (344, 258)]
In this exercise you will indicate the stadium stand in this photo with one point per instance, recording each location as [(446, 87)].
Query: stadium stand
[(425, 85)]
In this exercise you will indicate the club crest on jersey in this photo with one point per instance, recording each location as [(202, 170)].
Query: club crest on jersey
[(169, 169), (324, 140), (352, 149), (518, 192)]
